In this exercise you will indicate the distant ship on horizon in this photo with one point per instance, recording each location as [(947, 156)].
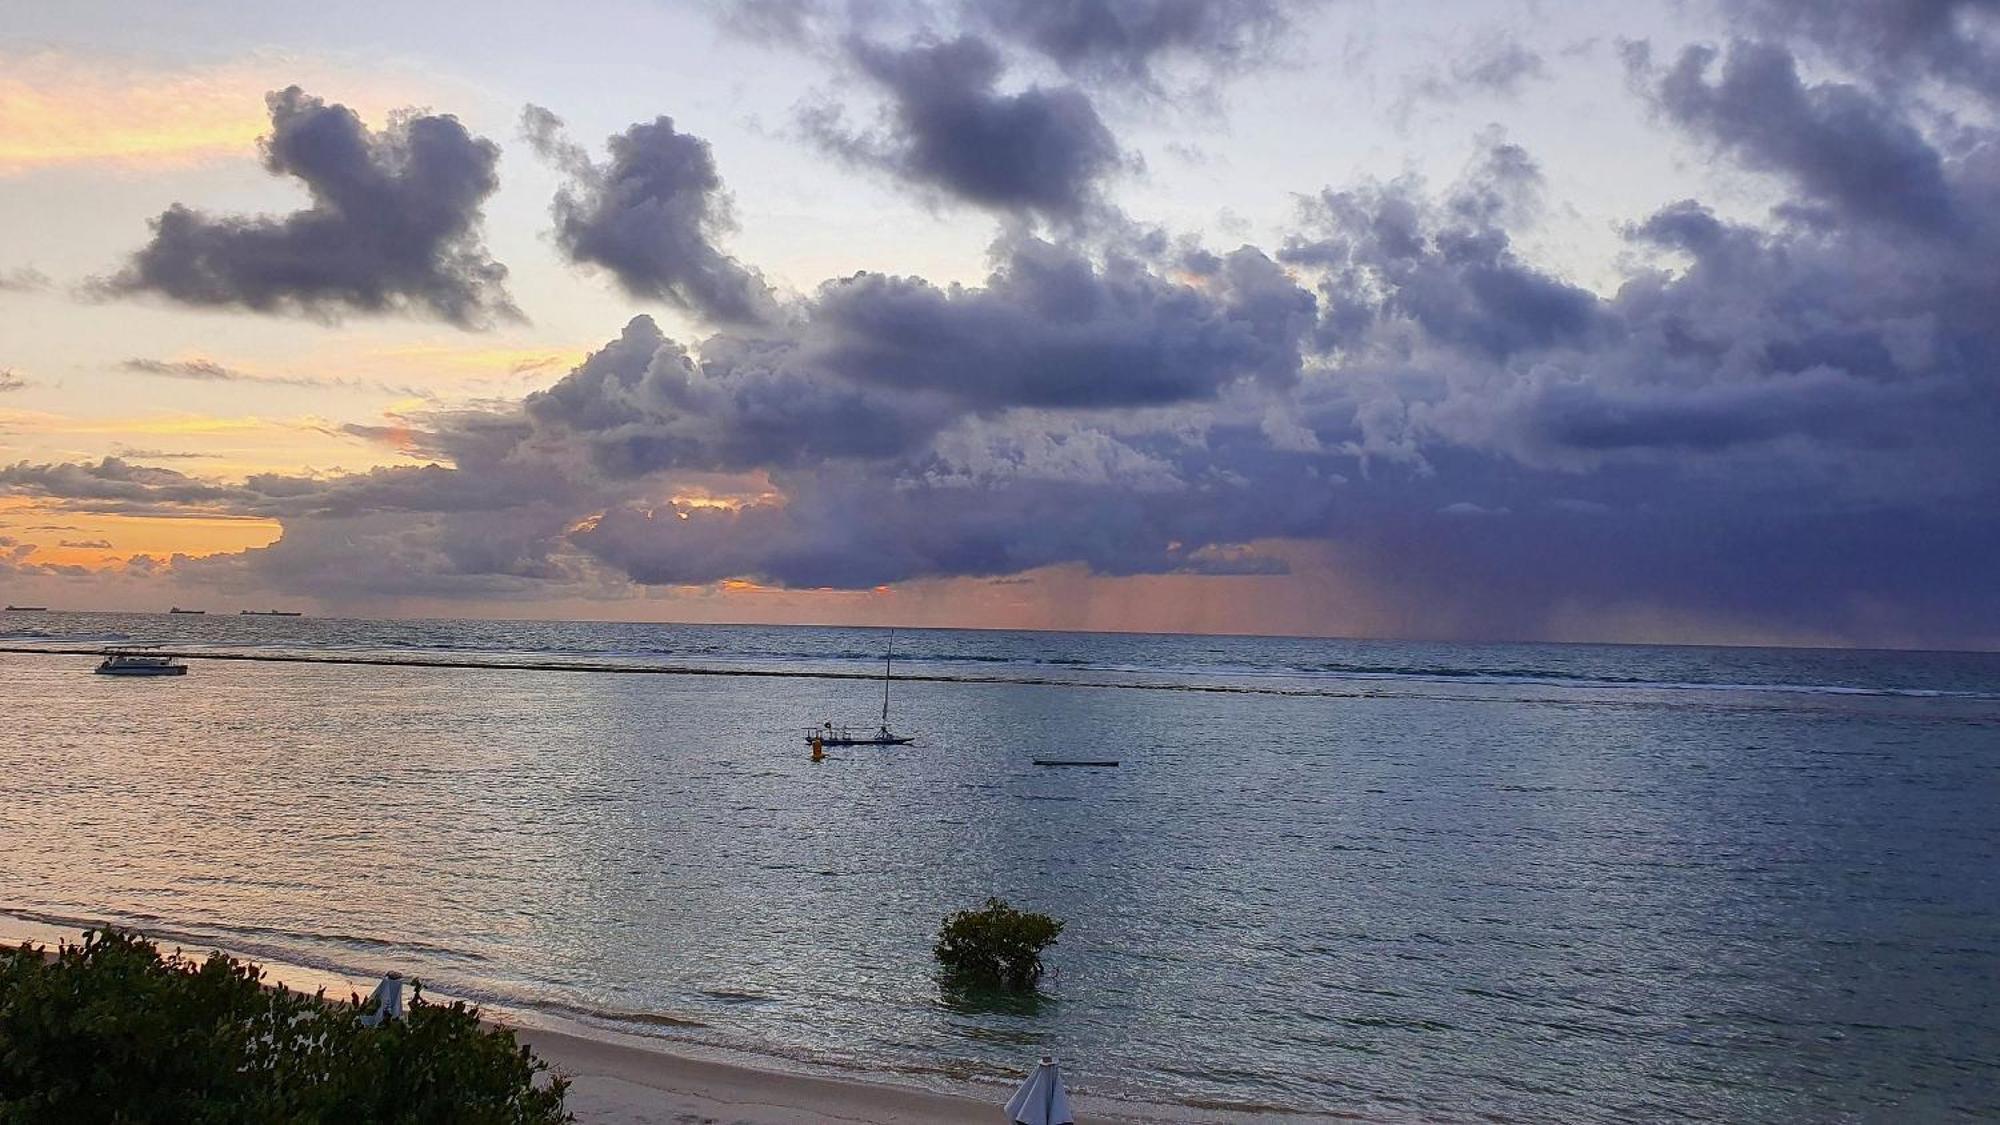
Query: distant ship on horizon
[(27, 609), (269, 613), (178, 609)]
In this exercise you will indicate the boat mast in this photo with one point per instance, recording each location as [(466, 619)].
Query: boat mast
[(886, 658)]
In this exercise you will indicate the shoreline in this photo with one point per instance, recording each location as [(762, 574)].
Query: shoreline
[(629, 1084), (621, 1078)]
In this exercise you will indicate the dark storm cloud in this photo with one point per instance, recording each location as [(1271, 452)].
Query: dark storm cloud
[(1842, 146), (650, 215), (1798, 358), (1820, 402), (949, 129), (853, 526), (394, 225)]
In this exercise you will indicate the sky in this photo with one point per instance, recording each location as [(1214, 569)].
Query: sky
[(1482, 320)]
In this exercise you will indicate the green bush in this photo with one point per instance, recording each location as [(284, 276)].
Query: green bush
[(996, 945), (112, 1031)]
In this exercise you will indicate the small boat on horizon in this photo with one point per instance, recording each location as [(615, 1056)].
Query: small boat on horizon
[(27, 609), (269, 613), (140, 664), (178, 609), (829, 735)]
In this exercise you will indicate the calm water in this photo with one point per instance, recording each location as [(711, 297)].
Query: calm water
[(1559, 883)]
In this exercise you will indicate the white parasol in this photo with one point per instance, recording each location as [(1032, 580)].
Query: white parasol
[(1041, 1099), (388, 1000)]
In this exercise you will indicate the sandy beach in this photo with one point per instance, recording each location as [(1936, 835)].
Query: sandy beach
[(614, 1084), (620, 1084)]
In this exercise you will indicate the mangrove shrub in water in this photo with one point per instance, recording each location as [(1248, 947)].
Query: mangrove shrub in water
[(111, 1030), (995, 946)]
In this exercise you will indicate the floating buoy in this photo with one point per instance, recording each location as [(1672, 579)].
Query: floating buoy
[(819, 750)]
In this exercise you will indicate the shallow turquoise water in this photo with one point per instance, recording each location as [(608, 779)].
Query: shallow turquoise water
[(1532, 882)]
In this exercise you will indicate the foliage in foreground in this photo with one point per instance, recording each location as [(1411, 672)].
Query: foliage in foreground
[(112, 1031), (995, 946)]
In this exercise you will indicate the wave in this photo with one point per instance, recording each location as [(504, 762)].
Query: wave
[(232, 935), (1257, 665), (1556, 678), (1192, 680)]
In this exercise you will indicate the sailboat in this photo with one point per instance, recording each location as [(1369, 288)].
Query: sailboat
[(829, 735)]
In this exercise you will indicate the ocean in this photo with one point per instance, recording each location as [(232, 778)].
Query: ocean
[(1400, 881)]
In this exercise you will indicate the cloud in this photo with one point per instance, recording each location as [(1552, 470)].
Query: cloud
[(1051, 329), (1389, 258), (112, 479), (116, 486), (1232, 559), (950, 130), (11, 382), (650, 215), (394, 225), (1128, 39), (407, 440), (877, 365), (87, 544), (209, 371), (201, 370), (129, 453), (23, 280), (1113, 42), (1787, 424), (1895, 43), (1842, 147), (644, 404), (1496, 65)]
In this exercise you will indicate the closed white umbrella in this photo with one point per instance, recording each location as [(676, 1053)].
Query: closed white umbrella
[(388, 998), (1041, 1100)]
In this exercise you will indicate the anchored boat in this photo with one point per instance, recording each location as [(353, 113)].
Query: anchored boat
[(141, 664), (829, 735)]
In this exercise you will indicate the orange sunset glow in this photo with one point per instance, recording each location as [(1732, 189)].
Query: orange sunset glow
[(66, 536)]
